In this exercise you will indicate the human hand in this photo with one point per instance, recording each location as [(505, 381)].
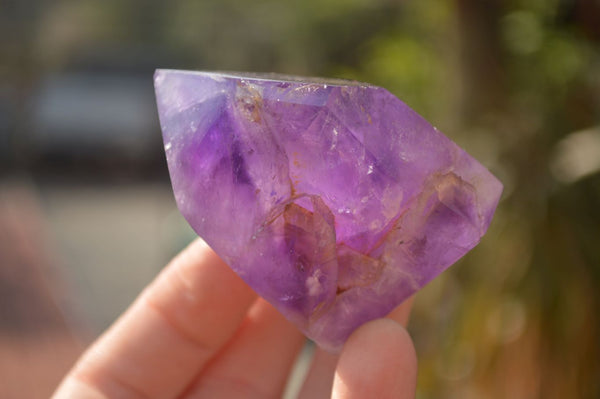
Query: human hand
[(198, 331)]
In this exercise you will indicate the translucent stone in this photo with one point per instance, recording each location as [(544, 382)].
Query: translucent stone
[(333, 200)]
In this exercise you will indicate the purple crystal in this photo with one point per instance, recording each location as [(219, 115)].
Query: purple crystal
[(332, 199)]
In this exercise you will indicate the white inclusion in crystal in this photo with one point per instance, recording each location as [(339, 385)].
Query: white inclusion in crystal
[(168, 146), (370, 169), (375, 224), (335, 139), (312, 283)]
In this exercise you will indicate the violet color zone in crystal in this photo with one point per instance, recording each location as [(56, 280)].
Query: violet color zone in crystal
[(334, 200)]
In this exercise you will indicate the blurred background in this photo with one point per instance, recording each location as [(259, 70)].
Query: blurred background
[(87, 216)]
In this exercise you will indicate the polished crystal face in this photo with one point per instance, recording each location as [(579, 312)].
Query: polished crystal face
[(332, 199)]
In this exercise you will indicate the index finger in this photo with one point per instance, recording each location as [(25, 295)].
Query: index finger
[(169, 333)]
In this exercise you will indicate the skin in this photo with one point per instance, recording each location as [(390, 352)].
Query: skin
[(186, 336)]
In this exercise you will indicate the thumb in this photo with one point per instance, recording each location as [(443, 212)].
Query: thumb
[(377, 361)]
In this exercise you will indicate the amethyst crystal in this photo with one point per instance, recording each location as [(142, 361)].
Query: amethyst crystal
[(332, 199)]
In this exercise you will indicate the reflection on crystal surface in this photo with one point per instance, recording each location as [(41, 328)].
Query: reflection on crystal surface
[(333, 200)]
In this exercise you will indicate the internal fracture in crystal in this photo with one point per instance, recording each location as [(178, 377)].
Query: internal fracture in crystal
[(333, 200)]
